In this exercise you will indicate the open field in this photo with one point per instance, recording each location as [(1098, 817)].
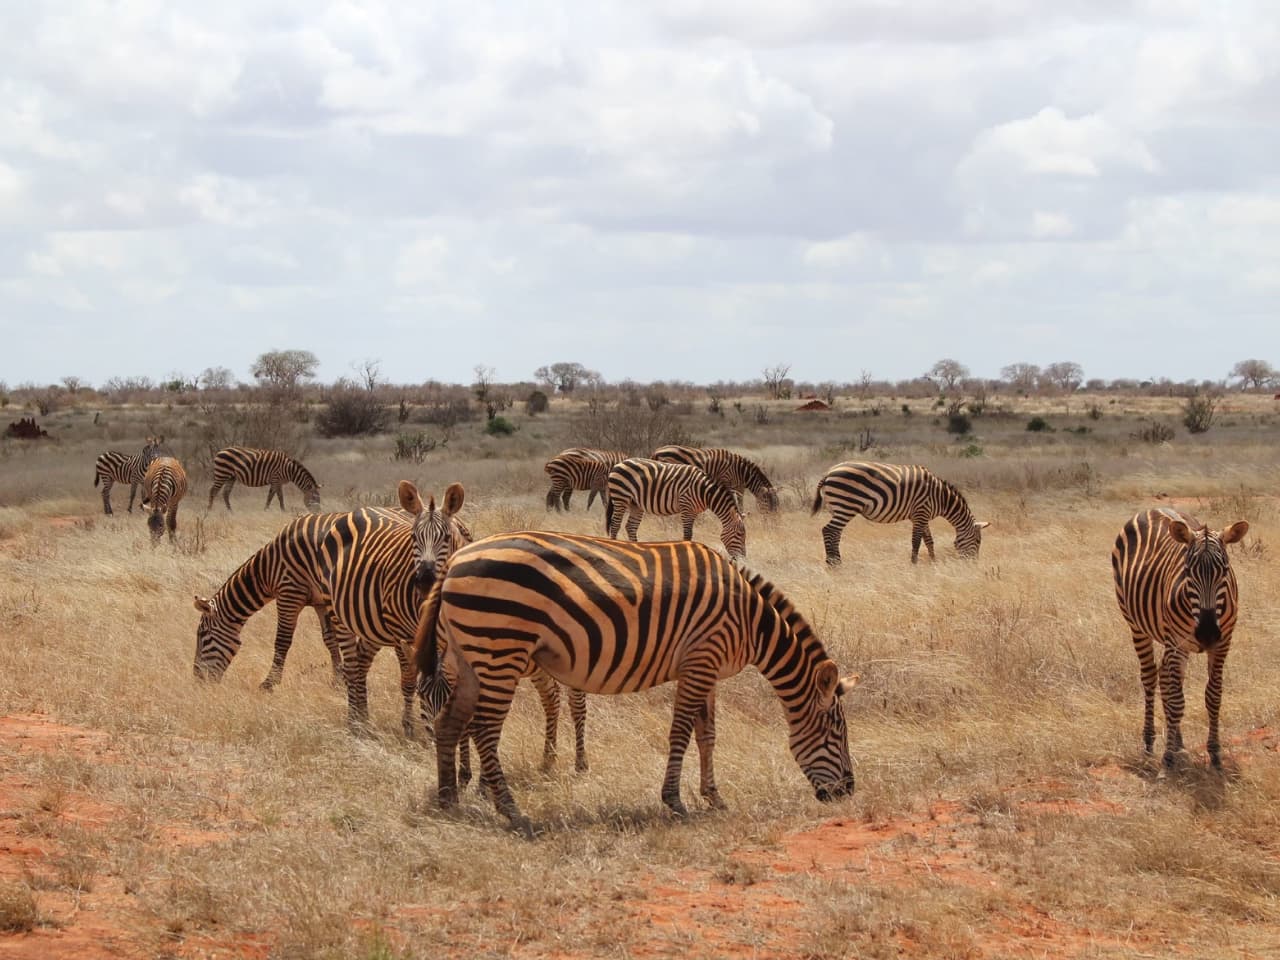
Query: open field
[(1003, 806)]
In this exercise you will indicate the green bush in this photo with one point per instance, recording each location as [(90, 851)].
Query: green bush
[(1039, 425), (959, 423), (500, 427)]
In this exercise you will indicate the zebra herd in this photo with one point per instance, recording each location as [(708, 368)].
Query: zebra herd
[(468, 619)]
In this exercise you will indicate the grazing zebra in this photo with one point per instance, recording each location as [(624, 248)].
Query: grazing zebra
[(376, 575), (726, 468), (639, 485), (579, 468), (163, 487), (262, 468), (115, 467), (1175, 586), (612, 617), (888, 493), (287, 570)]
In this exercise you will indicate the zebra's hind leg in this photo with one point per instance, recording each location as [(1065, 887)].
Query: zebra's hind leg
[(553, 498), (578, 711), (831, 534), (451, 726), (549, 694), (226, 494), (1171, 667), (133, 492), (919, 532), (329, 637), (566, 497), (171, 522), (106, 495), (1148, 671), (704, 731), (633, 522)]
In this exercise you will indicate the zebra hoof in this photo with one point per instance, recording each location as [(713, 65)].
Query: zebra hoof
[(268, 685), (677, 808), (581, 766)]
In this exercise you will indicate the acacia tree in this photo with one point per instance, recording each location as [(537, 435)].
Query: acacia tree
[(215, 378), (369, 373), (285, 371), (947, 373), (74, 385), (775, 380), (1021, 376), (565, 376), (1065, 376), (1253, 374)]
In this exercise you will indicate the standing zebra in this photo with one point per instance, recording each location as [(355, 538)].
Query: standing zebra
[(579, 468), (609, 617), (726, 468), (262, 468), (639, 485), (163, 487), (376, 575), (1175, 586), (888, 493), (287, 570), (115, 467)]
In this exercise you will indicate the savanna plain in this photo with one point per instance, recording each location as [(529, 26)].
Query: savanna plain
[(1004, 806)]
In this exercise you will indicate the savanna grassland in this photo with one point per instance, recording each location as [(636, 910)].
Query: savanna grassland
[(1004, 807)]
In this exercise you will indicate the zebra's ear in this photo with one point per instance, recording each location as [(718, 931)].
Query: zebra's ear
[(203, 605), (982, 524), (826, 677), (847, 683), (453, 497), (1180, 531), (1235, 532), (409, 498)]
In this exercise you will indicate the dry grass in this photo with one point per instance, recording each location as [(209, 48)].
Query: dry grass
[(1004, 690)]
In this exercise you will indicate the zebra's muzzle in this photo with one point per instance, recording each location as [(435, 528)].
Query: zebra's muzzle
[(423, 577), (207, 674), (1208, 633), (826, 792)]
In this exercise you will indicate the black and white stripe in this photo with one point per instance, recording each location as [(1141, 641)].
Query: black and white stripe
[(889, 493), (1175, 587), (611, 617), (579, 468), (163, 487), (262, 468), (726, 468), (638, 486), (115, 467)]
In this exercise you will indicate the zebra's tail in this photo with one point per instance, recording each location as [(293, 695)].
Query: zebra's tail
[(817, 498), (425, 654), (608, 511), (96, 477)]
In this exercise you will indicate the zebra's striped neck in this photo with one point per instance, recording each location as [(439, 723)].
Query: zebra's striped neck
[(785, 648), (954, 509)]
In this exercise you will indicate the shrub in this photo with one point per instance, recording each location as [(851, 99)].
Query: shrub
[(1199, 412), (1095, 411), (971, 450), (1039, 425), (637, 430), (352, 411), (413, 447), (959, 423), (500, 427), (1156, 433), (536, 403), (906, 409), (17, 907)]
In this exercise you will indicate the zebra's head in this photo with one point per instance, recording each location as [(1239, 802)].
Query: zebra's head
[(436, 533), (312, 498), (768, 499), (819, 738), (1207, 575), (216, 641), (153, 448), (969, 538), (735, 536)]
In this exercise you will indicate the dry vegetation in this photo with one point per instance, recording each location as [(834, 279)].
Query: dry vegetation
[(1003, 808)]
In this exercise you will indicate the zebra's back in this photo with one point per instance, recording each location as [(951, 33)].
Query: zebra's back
[(882, 492)]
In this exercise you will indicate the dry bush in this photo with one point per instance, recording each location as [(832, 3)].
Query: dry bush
[(18, 912), (637, 430)]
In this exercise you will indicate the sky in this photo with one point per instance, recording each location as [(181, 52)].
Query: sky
[(686, 190)]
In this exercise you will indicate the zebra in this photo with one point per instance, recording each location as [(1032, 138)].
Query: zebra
[(888, 493), (261, 468), (726, 468), (286, 570), (612, 617), (376, 575), (115, 467), (1175, 586), (579, 468), (163, 487), (638, 485)]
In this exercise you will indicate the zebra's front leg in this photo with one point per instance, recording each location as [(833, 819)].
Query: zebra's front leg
[(357, 657), (171, 523), (928, 541), (687, 516), (1149, 671), (213, 492), (1213, 699), (831, 534), (549, 694), (1171, 667), (226, 494), (408, 687), (704, 730), (106, 496), (917, 534), (553, 499), (692, 690), (133, 492), (328, 636), (289, 603)]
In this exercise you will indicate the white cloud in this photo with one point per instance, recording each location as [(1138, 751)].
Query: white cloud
[(1054, 144), (1051, 226)]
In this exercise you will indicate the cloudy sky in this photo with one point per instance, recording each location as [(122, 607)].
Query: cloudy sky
[(686, 189)]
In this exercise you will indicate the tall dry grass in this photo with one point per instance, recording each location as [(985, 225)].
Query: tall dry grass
[(983, 684)]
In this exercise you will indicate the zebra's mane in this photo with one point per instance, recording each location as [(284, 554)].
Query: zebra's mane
[(304, 472), (953, 492), (796, 622)]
